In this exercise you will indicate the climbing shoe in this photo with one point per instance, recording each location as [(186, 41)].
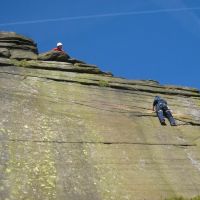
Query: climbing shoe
[(174, 124), (163, 123)]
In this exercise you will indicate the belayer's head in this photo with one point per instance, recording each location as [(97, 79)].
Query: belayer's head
[(59, 45), (157, 98)]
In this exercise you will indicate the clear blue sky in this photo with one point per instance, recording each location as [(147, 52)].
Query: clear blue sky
[(162, 45)]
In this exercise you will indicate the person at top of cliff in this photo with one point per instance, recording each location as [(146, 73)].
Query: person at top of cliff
[(162, 111), (59, 47)]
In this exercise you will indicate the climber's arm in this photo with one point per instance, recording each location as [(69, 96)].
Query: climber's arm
[(154, 105)]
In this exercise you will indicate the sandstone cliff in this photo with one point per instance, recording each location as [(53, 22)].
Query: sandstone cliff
[(70, 131)]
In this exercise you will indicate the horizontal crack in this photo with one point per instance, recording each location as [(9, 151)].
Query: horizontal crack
[(188, 122), (85, 83), (77, 70), (110, 86), (106, 142)]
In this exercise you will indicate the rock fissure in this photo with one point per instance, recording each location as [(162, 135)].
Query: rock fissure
[(72, 69), (106, 143), (111, 86), (136, 115)]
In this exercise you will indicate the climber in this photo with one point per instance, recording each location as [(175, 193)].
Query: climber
[(59, 47), (161, 108)]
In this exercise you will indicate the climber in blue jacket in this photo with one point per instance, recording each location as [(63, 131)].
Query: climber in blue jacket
[(162, 110)]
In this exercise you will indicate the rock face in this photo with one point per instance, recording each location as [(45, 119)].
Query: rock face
[(17, 46), (71, 132), (54, 56)]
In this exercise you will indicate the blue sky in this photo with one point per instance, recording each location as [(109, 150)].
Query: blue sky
[(162, 45)]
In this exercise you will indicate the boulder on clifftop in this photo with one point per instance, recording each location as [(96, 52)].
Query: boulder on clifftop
[(54, 56), (16, 46)]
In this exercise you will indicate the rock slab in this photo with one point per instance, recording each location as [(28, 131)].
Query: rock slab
[(72, 132), (16, 46)]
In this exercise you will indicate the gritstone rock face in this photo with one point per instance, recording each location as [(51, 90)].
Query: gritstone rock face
[(71, 131)]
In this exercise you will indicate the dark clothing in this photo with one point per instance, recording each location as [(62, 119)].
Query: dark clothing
[(160, 104), (163, 111)]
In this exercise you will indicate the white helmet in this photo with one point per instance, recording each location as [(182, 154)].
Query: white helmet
[(59, 44)]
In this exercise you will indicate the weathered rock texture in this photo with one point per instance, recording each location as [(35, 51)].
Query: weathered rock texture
[(71, 132), (17, 46), (54, 56)]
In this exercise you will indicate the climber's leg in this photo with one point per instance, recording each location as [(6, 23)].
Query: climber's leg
[(170, 117), (161, 117)]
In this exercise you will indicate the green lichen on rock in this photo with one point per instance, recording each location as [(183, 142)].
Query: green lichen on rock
[(31, 176), (182, 198), (21, 63), (103, 83), (31, 171)]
